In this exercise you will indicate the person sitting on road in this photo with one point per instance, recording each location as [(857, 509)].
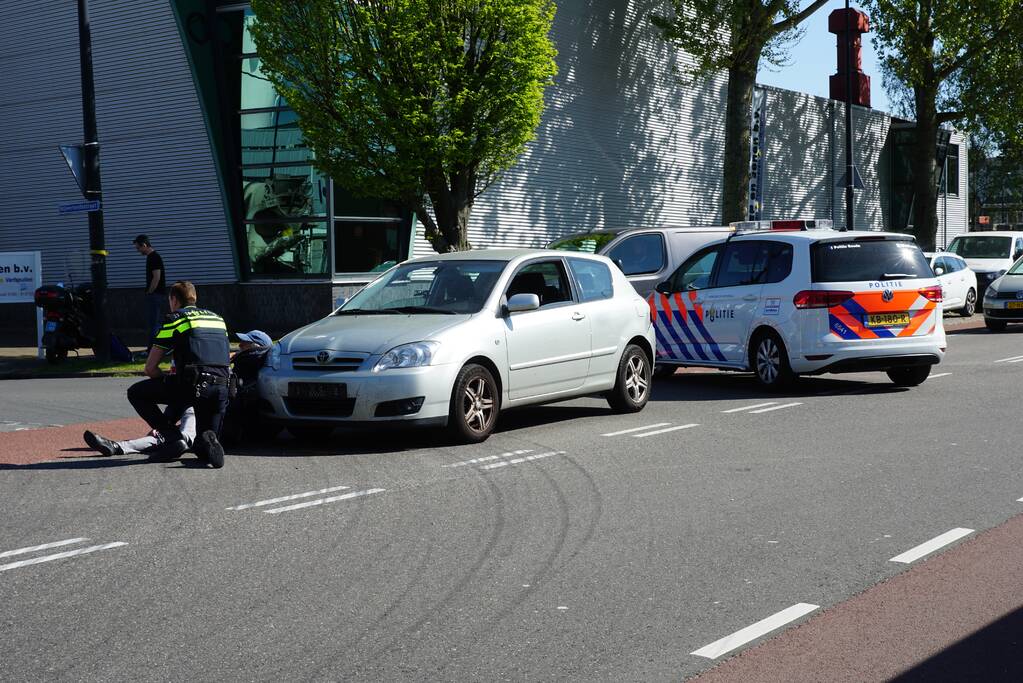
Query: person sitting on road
[(242, 417), (144, 445)]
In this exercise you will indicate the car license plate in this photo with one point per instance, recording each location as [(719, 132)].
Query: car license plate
[(318, 390), (51, 326), (887, 319), (1014, 304)]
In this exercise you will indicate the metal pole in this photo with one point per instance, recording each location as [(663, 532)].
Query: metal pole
[(849, 166), (93, 187)]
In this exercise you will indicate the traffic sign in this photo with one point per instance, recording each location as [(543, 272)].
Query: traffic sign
[(79, 207), (857, 180)]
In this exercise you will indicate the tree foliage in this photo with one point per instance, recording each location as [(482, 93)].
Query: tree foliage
[(950, 62), (422, 101), (736, 36)]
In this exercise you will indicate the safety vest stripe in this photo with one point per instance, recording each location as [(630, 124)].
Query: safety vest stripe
[(215, 324)]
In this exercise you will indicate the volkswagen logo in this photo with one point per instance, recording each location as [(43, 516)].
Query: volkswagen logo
[(322, 357), (887, 295), (1019, 294)]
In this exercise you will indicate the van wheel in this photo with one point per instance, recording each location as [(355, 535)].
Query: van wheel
[(909, 377), (632, 383), (475, 405), (970, 307), (995, 325), (770, 362)]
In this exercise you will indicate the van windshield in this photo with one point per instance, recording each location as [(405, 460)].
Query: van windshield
[(870, 259), (982, 246), (588, 242)]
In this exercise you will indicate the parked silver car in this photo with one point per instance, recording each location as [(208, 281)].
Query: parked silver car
[(455, 339)]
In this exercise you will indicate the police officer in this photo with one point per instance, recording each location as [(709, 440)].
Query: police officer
[(198, 340)]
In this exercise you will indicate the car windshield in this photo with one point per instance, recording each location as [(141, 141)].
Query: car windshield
[(430, 287), (589, 242), (868, 259), (982, 246)]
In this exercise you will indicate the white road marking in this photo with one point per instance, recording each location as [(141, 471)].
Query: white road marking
[(487, 458), (323, 501), (755, 405), (767, 410), (754, 631), (664, 431), (60, 556), (1011, 359), (44, 546), (940, 374), (1017, 360), (516, 461), (914, 554), (271, 501), (636, 429)]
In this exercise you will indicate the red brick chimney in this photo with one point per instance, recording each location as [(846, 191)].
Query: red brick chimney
[(858, 24)]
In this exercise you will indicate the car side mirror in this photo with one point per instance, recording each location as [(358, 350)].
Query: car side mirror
[(939, 271), (664, 287), (621, 266), (522, 302)]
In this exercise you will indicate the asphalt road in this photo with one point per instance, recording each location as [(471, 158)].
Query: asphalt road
[(573, 545)]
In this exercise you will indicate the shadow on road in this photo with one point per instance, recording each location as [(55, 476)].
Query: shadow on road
[(990, 654), (731, 386), (97, 463)]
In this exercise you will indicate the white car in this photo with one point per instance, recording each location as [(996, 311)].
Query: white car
[(454, 339), (789, 298), (958, 283), (989, 254)]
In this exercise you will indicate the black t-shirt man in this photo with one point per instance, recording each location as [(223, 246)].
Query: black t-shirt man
[(155, 263)]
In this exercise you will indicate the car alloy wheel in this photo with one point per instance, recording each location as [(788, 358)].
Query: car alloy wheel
[(478, 405), (971, 304), (768, 361), (636, 384), (632, 381)]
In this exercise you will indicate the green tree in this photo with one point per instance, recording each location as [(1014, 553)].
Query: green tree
[(422, 101), (734, 36), (950, 62)]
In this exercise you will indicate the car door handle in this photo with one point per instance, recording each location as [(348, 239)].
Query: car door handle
[(578, 316)]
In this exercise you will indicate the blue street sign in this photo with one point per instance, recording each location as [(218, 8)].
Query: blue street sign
[(78, 207)]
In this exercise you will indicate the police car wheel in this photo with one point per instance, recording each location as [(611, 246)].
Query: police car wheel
[(475, 405), (770, 361), (632, 383), (909, 377), (970, 307)]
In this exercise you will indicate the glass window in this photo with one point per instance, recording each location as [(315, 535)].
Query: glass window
[(944, 264), (779, 261), (639, 255), (981, 246), (868, 259), (367, 245), (545, 279), (589, 242), (742, 263), (288, 248), (278, 191), (429, 287), (695, 272), (272, 137), (952, 170), (1018, 251), (594, 279)]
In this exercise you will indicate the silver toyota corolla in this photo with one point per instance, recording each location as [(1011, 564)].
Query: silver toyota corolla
[(456, 338)]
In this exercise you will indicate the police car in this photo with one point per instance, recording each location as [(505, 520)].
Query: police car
[(788, 298)]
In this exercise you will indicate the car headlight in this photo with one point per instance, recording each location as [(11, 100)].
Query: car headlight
[(413, 355), (273, 359), (990, 293)]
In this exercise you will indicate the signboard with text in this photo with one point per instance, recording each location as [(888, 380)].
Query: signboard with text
[(21, 272)]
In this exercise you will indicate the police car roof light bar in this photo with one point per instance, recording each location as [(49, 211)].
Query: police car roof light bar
[(781, 226)]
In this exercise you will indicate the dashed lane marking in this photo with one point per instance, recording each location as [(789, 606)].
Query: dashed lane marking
[(1011, 359), (754, 631), (283, 499), (516, 461), (637, 429), (664, 431), (60, 556), (767, 410), (487, 458), (755, 405), (940, 374), (44, 546), (323, 501), (936, 543)]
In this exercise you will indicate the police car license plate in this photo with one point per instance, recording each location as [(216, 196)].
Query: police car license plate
[(318, 390), (1014, 304), (887, 319)]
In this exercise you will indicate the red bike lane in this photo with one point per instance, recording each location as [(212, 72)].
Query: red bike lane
[(53, 443)]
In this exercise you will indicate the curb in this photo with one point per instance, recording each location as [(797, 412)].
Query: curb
[(29, 375)]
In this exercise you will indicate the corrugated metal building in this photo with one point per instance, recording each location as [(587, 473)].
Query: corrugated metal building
[(200, 154)]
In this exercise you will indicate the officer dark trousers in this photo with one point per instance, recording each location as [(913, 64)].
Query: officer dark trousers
[(148, 395)]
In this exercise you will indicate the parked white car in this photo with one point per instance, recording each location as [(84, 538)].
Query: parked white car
[(958, 283), (989, 254), (454, 339)]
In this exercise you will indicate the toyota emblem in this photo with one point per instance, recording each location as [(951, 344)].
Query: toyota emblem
[(322, 357), (887, 295)]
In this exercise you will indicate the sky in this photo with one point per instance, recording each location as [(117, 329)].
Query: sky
[(813, 59)]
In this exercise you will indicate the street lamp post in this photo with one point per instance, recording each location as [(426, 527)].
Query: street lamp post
[(849, 165), (92, 186)]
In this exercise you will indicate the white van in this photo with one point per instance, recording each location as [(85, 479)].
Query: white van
[(646, 255), (988, 254)]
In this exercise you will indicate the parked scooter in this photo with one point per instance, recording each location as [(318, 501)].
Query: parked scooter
[(67, 319)]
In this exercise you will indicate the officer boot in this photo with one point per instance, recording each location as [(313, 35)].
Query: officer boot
[(209, 449)]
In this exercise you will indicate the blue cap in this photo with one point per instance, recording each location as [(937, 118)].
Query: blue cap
[(257, 337)]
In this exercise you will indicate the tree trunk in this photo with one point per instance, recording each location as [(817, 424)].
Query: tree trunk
[(925, 190), (735, 171), (452, 201)]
